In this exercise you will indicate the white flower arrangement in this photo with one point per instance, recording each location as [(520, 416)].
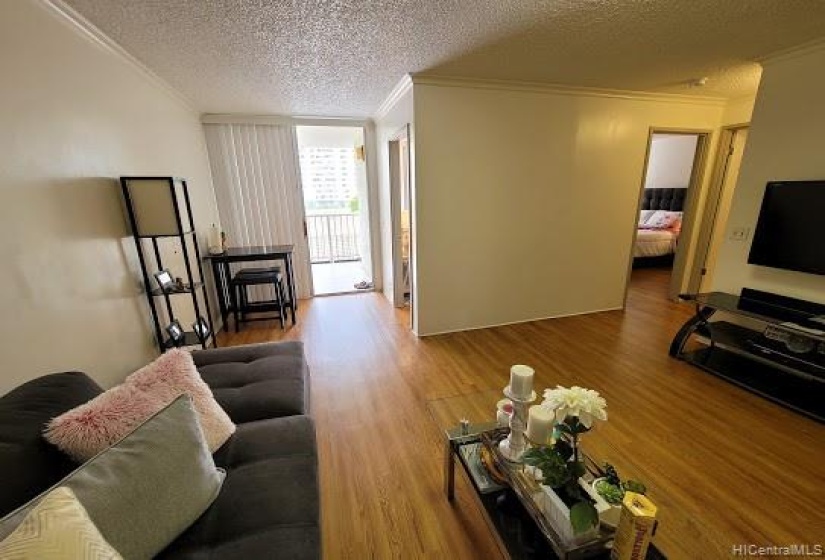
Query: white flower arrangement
[(585, 404), (574, 411)]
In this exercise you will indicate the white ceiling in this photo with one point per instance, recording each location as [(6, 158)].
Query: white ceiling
[(342, 57)]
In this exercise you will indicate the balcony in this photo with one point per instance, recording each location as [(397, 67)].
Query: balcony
[(334, 252), (333, 238)]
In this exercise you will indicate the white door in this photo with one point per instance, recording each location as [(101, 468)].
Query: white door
[(400, 202)]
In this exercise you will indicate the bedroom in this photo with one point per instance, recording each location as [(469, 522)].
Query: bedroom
[(671, 175)]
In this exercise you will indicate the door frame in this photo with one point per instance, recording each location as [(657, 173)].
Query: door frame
[(395, 155), (707, 229), (297, 158), (371, 204), (689, 210)]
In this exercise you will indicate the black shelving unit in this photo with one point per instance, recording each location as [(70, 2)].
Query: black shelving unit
[(160, 216)]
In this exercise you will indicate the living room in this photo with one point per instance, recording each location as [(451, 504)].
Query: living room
[(533, 271)]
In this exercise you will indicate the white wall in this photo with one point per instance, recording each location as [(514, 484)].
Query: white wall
[(526, 200), (671, 161), (75, 117), (784, 142), (387, 125)]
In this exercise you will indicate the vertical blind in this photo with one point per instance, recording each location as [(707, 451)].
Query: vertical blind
[(256, 176)]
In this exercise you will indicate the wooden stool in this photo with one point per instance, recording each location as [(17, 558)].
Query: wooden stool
[(256, 277)]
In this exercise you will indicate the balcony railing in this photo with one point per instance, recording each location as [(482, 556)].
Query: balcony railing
[(333, 238)]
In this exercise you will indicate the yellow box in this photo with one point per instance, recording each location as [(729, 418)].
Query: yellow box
[(635, 529)]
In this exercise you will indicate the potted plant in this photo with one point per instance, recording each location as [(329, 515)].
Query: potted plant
[(568, 504), (609, 490)]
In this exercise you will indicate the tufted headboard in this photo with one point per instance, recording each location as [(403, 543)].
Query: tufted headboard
[(664, 199)]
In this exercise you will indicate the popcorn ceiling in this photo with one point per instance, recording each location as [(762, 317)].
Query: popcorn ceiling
[(342, 57)]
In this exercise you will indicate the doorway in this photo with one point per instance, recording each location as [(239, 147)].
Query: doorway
[(336, 203), (667, 210), (401, 209), (712, 230)]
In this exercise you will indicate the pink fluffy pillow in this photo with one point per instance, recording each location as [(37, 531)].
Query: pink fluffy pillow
[(85, 431), (175, 373)]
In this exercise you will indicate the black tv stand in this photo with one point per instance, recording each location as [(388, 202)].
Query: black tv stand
[(780, 354)]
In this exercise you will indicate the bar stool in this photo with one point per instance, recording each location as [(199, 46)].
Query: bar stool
[(247, 277)]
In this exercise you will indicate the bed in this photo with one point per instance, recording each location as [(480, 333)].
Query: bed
[(660, 222)]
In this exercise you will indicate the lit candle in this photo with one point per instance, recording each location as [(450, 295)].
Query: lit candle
[(521, 381), (540, 421)]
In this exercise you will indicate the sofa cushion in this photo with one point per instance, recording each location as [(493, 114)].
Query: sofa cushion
[(149, 487), (269, 501), (257, 381), (29, 464)]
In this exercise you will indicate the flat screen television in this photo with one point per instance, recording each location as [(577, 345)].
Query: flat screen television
[(790, 233)]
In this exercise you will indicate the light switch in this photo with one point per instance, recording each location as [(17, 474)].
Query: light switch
[(740, 233)]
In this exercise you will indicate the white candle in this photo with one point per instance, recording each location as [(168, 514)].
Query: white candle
[(504, 408), (521, 381), (214, 240), (540, 421)]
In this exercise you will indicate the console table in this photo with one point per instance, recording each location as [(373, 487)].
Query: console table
[(775, 351)]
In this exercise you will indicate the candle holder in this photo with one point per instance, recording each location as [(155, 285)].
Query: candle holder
[(514, 446)]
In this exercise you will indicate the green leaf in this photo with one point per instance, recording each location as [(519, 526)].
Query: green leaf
[(610, 492), (577, 469), (583, 516), (634, 486), (553, 466)]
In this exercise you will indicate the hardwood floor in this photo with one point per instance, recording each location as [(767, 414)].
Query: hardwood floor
[(724, 466)]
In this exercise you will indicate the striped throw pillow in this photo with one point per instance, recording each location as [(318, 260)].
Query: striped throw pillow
[(58, 528)]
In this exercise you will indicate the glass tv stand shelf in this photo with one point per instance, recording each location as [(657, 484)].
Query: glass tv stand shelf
[(772, 350)]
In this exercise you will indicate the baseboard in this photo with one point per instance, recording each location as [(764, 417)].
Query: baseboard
[(494, 325)]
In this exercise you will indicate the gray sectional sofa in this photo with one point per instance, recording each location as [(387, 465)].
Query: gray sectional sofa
[(269, 504)]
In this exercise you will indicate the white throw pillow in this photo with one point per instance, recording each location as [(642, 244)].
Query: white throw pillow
[(58, 528)]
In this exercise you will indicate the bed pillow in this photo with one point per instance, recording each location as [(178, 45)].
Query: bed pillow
[(644, 216), (56, 529), (148, 488), (662, 219), (88, 429)]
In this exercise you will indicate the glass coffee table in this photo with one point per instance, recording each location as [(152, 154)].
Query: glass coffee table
[(508, 499)]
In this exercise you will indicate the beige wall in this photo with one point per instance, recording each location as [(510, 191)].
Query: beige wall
[(387, 125), (75, 117), (671, 161), (526, 201), (738, 111), (784, 142)]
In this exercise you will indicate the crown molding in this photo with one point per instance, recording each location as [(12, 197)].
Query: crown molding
[(87, 29), (748, 97), (283, 120), (793, 52), (558, 89), (398, 91)]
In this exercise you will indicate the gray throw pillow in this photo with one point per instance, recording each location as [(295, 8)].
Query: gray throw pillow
[(145, 490)]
